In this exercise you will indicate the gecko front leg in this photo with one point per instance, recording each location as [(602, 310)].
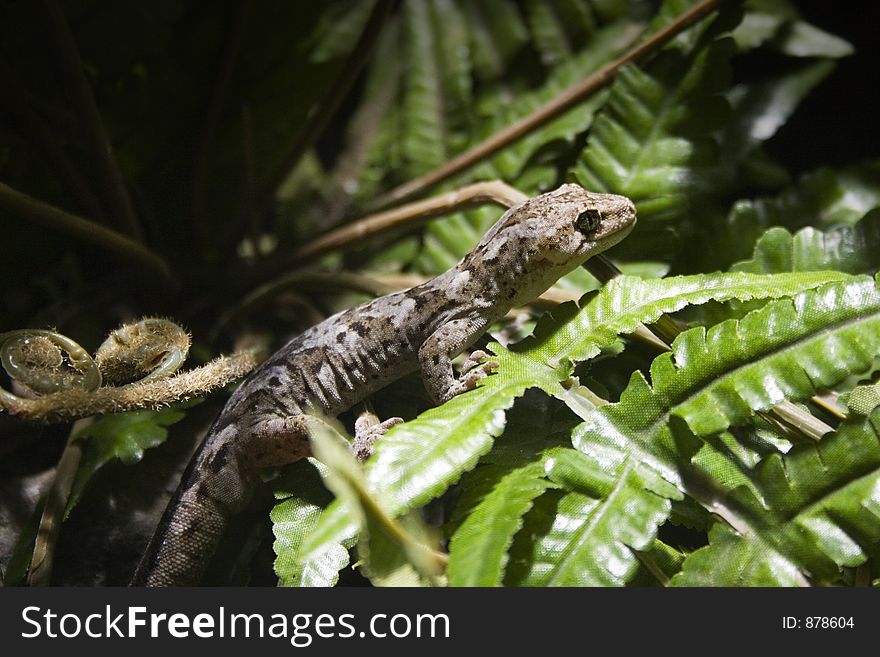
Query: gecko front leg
[(480, 361), (438, 350), (367, 430), (285, 440), (280, 441)]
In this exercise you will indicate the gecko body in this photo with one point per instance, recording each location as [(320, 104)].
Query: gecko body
[(339, 362)]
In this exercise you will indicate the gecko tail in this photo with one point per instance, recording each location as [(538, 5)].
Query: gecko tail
[(214, 487)]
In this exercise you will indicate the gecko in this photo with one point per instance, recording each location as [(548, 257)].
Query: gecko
[(339, 362)]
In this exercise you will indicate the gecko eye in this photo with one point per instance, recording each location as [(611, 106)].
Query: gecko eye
[(588, 220)]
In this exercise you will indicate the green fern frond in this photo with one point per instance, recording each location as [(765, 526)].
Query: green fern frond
[(301, 498), (852, 249), (712, 380), (590, 540), (817, 512), (626, 302), (478, 550), (822, 199), (653, 141)]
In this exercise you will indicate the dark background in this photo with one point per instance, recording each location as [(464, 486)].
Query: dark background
[(837, 124)]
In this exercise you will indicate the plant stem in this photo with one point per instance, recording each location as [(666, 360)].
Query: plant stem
[(562, 103), (74, 403), (802, 421), (43, 556), (651, 566), (19, 204), (70, 65), (411, 214), (829, 400)]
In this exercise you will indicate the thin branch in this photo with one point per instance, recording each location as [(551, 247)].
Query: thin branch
[(324, 110), (411, 215), (830, 401), (43, 555), (562, 103), (70, 65), (803, 422), (27, 207), (219, 96)]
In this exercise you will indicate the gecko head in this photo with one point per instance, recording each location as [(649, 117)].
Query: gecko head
[(569, 225)]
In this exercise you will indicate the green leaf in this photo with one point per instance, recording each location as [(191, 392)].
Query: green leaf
[(303, 497), (418, 460), (801, 39), (575, 472), (388, 547), (497, 33), (576, 540), (863, 399), (653, 139), (436, 80), (535, 424), (790, 347), (559, 28), (19, 563), (711, 380), (340, 28), (852, 249), (777, 23), (324, 551), (478, 550), (122, 436), (822, 199), (658, 565), (495, 495), (729, 457), (818, 512), (743, 564), (762, 20), (607, 42), (626, 302), (759, 110), (446, 240)]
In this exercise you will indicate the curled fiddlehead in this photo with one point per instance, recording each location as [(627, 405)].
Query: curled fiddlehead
[(135, 367), (152, 348), (46, 361)]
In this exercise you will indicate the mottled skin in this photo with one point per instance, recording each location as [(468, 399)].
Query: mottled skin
[(342, 360)]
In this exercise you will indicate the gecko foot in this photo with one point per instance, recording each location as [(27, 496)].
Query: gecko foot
[(477, 366), (367, 430), (474, 369), (476, 358)]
